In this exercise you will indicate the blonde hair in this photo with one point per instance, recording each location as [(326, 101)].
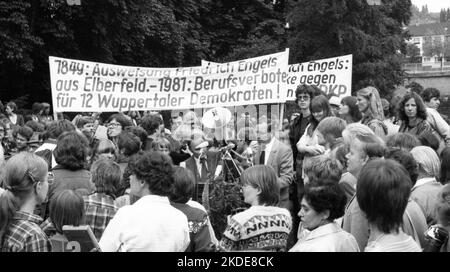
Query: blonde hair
[(428, 161), (353, 130), (375, 105)]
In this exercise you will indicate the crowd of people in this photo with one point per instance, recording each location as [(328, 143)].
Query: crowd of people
[(353, 174)]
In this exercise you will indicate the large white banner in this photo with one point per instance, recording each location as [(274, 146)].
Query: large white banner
[(333, 76), (91, 86)]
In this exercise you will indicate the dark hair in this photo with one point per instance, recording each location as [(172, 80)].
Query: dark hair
[(427, 138), (140, 132), (83, 120), (443, 206), (12, 105), (151, 123), (340, 155), (406, 141), (21, 173), (264, 178), (421, 109), (304, 89), (128, 143), (56, 128), (161, 142), (106, 175), (122, 119), (71, 150), (36, 107), (406, 159), (154, 168), (326, 195), (372, 146), (429, 93), (183, 185), (66, 208), (445, 165), (318, 103), (382, 193), (103, 146), (25, 131), (35, 126), (354, 113)]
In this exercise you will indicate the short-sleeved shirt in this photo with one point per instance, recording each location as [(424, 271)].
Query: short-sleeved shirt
[(25, 235)]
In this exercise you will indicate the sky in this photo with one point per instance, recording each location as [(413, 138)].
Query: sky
[(433, 5)]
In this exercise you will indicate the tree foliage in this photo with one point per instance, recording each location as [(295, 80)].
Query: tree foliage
[(373, 34)]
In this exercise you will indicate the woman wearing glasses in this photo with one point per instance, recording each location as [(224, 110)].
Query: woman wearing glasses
[(116, 124), (26, 187)]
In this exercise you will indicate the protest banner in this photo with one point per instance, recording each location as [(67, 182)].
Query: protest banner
[(332, 75), (91, 87)]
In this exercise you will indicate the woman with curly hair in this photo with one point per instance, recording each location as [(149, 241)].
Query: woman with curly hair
[(413, 114), (151, 223)]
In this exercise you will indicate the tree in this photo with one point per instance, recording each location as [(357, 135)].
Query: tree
[(373, 34), (412, 52), (443, 16)]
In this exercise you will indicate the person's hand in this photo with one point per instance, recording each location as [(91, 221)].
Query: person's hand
[(254, 146)]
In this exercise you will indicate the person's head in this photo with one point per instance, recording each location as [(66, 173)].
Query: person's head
[(427, 138), (329, 130), (355, 129), (335, 104), (116, 123), (162, 144), (363, 149), (428, 162), (321, 204), (369, 102), (303, 95), (46, 108), (25, 181), (183, 185), (86, 124), (322, 167), (66, 208), (340, 154), (138, 131), (443, 206), (106, 175), (406, 159), (198, 143), (431, 97), (411, 106), (37, 108), (264, 132), (349, 110), (190, 119), (320, 108), (152, 173), (104, 149), (72, 150), (260, 186), (11, 108), (382, 193), (35, 126), (22, 135), (56, 128), (151, 124), (445, 165), (405, 141), (128, 143)]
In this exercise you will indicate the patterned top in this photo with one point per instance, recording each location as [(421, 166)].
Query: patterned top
[(258, 228), (25, 235), (100, 209)]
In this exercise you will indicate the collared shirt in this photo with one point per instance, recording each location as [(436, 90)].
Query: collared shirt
[(326, 238), (100, 209), (25, 235), (423, 181), (268, 149), (150, 224)]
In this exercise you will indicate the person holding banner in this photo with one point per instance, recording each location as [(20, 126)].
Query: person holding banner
[(371, 108)]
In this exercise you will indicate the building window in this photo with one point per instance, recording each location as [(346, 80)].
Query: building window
[(416, 40)]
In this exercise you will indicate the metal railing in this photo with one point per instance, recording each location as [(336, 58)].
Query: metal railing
[(426, 67)]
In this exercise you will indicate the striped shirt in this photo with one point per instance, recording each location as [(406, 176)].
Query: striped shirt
[(25, 235)]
